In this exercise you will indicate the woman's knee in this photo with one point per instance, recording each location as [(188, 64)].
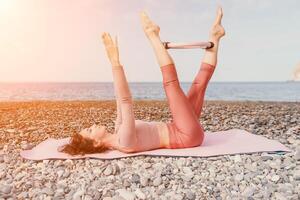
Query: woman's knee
[(195, 138), (173, 82)]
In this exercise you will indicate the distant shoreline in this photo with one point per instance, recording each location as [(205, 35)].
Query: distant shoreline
[(144, 100), (224, 91)]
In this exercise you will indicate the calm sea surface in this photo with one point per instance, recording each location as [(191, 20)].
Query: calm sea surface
[(251, 91)]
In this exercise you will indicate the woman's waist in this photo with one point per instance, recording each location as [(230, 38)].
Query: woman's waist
[(163, 131)]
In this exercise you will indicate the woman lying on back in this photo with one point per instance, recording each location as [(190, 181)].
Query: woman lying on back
[(132, 135)]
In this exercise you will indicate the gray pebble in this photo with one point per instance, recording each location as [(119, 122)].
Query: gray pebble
[(23, 195), (135, 178), (48, 191), (297, 175), (279, 196), (190, 195), (126, 183), (237, 159), (108, 170), (266, 157), (144, 181), (147, 165), (297, 154), (275, 178), (157, 181), (239, 177), (187, 170), (6, 189), (248, 192), (127, 195), (77, 195), (108, 198), (60, 173), (140, 194)]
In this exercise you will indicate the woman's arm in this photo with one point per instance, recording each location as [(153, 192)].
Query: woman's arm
[(113, 55), (128, 137)]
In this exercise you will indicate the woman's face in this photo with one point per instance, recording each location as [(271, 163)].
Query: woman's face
[(95, 132)]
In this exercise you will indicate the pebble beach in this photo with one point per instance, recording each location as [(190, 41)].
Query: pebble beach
[(243, 176)]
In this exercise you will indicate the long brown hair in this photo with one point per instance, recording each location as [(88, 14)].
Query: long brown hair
[(81, 145)]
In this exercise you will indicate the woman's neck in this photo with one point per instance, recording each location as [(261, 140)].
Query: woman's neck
[(110, 140)]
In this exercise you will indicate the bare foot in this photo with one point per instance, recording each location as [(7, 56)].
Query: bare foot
[(217, 30), (150, 28)]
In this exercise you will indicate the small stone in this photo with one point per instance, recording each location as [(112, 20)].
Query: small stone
[(48, 191), (237, 158), (157, 181), (108, 170), (188, 177), (167, 170), (126, 183), (297, 154), (187, 170), (291, 140), (248, 192), (275, 178), (62, 183), (6, 189), (77, 195), (60, 173), (203, 189), (23, 195), (66, 174), (190, 195), (297, 175), (266, 157), (108, 198), (10, 130), (285, 188), (135, 178), (239, 177), (140, 194), (144, 181), (275, 165), (46, 162), (177, 197), (48, 198), (147, 165), (127, 195), (279, 196), (59, 192), (88, 197), (117, 197), (26, 146)]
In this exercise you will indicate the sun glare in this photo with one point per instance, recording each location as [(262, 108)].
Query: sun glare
[(5, 5)]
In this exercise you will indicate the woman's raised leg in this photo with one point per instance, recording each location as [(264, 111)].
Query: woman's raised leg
[(126, 131), (197, 91), (182, 111)]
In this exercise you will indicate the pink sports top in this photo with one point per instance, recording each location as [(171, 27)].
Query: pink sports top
[(151, 134)]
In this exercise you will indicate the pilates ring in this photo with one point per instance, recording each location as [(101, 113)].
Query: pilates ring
[(166, 44), (191, 45)]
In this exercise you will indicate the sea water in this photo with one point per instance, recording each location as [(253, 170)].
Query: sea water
[(232, 91)]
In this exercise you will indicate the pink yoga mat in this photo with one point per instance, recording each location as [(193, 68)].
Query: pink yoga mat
[(234, 141)]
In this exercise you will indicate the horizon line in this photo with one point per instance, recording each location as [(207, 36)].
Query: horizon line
[(1, 82)]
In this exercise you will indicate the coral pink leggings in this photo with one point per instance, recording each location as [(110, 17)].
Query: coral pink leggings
[(185, 129)]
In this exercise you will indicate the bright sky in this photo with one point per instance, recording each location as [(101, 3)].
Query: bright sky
[(60, 40)]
